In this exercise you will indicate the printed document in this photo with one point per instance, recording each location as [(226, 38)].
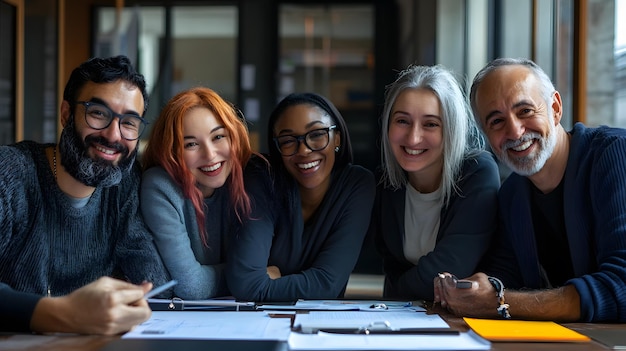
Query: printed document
[(214, 325), (328, 341)]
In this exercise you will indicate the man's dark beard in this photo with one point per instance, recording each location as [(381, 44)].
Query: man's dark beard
[(88, 171)]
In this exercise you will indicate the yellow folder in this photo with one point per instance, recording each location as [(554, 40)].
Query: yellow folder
[(514, 330)]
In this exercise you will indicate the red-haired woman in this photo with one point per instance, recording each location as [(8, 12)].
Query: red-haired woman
[(192, 192)]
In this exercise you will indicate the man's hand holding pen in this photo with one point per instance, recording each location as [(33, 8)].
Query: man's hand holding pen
[(106, 306)]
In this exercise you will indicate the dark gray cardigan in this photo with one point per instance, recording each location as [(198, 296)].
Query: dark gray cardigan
[(44, 241), (466, 226)]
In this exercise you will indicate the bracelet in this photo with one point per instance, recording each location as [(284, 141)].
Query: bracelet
[(503, 308)]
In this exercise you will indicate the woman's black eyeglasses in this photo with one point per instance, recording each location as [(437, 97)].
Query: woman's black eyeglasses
[(315, 140)]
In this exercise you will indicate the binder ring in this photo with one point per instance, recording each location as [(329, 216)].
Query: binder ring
[(172, 305)]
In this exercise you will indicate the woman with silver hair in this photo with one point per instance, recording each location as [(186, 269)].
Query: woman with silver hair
[(436, 203)]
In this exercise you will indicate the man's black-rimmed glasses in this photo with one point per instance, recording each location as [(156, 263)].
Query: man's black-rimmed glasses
[(99, 116), (315, 140)]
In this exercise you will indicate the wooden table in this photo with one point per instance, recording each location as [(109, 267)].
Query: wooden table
[(28, 342)]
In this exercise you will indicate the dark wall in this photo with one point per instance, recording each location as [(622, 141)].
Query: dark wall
[(258, 33), (40, 70)]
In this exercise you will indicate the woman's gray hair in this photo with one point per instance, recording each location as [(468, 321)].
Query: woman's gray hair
[(461, 136), (547, 88)]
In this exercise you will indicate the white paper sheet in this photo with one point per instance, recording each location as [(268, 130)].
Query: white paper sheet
[(325, 341), (250, 325), (212, 325)]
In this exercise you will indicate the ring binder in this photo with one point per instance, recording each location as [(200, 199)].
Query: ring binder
[(178, 304), (384, 327), (172, 305)]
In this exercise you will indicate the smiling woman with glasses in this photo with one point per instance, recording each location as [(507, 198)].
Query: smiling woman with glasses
[(310, 215)]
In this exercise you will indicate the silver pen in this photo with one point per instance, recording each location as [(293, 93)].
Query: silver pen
[(160, 289)]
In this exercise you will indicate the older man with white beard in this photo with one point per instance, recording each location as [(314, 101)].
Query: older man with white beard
[(561, 247), (69, 221)]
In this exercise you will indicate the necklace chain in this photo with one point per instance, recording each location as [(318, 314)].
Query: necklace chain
[(54, 161), (54, 165)]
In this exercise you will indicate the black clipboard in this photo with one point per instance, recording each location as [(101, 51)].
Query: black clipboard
[(178, 304)]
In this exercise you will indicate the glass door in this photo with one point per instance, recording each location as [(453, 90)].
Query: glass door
[(174, 47)]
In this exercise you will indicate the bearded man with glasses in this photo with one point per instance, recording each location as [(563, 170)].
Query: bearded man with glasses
[(69, 213)]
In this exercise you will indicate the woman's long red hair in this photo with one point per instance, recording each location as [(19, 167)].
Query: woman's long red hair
[(166, 145)]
